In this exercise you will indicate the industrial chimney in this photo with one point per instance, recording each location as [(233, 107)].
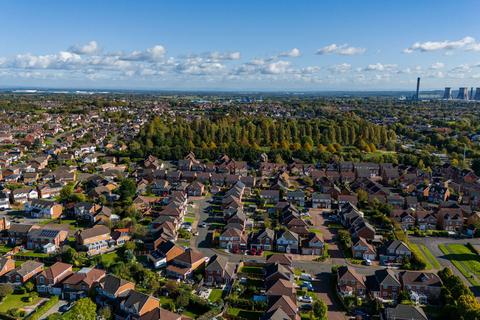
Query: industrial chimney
[(418, 89)]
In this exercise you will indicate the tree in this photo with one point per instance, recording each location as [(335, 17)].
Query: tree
[(476, 166), (320, 309), (127, 189), (83, 309), (105, 313), (5, 290)]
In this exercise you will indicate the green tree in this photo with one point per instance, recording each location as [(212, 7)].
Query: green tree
[(5, 290), (320, 309), (83, 309)]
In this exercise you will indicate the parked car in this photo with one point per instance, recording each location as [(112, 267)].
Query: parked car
[(306, 299), (367, 262), (307, 285), (203, 225), (306, 276)]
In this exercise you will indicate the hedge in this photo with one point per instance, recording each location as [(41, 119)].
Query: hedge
[(41, 310)]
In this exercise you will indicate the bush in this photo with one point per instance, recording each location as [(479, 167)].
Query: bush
[(5, 290)]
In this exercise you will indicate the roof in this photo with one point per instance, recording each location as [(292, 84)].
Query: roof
[(56, 270), (280, 258), (190, 256), (112, 284), (87, 275), (96, 231), (160, 314), (420, 278), (137, 300), (28, 267), (405, 312)]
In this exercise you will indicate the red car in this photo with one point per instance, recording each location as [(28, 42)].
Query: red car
[(259, 252)]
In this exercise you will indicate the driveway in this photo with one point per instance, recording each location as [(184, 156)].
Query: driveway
[(319, 222), (323, 290), (54, 309)]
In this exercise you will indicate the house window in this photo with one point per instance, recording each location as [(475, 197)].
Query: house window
[(41, 280)]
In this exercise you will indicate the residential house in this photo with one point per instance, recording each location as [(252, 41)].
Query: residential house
[(137, 305), (394, 251), (49, 280), (22, 195), (404, 312), (361, 249), (24, 272), (164, 254), (79, 284), (112, 287), (94, 240), (46, 239), (313, 244), (288, 242), (195, 189), (384, 285), (219, 271), (18, 232), (263, 240), (297, 197), (233, 239), (185, 264), (426, 285), (350, 283), (270, 196), (40, 208), (321, 200), (7, 264)]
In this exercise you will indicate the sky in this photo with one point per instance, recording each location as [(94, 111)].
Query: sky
[(270, 45)]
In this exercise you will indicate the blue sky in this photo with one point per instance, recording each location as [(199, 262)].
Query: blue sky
[(240, 45)]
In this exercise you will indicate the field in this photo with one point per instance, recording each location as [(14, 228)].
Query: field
[(467, 262)]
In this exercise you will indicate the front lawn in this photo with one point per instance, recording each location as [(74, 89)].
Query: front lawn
[(252, 270), (467, 262), (15, 301)]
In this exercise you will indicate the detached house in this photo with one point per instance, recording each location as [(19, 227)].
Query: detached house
[(363, 250), (185, 264), (384, 285), (39, 208), (79, 284), (25, 272), (394, 251), (313, 245), (94, 240), (48, 281), (288, 242), (219, 271), (112, 287), (233, 239), (350, 283), (22, 195), (137, 305), (263, 240), (426, 285), (321, 200)]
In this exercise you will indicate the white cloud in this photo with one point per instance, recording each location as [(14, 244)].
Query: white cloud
[(380, 67), (340, 68), (437, 65), (467, 43), (89, 48), (278, 67), (225, 56), (343, 49), (152, 54), (295, 52)]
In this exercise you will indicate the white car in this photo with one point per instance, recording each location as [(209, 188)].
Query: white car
[(203, 225), (367, 262), (306, 299), (306, 276)]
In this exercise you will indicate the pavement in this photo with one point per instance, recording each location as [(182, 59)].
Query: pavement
[(54, 309)]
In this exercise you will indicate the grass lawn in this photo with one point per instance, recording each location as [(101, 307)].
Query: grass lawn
[(32, 254), (315, 230), (252, 270), (215, 295), (4, 248), (430, 257), (464, 260), (189, 219), (415, 249), (108, 259), (246, 314), (15, 301)]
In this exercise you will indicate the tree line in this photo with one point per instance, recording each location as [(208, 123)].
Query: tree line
[(247, 137)]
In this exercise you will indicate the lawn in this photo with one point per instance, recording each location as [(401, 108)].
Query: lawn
[(252, 270), (467, 262), (315, 230), (430, 257), (245, 314), (14, 301), (215, 295), (416, 249), (189, 219), (108, 259)]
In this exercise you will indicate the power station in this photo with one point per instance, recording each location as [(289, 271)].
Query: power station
[(477, 94), (447, 94), (462, 93)]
